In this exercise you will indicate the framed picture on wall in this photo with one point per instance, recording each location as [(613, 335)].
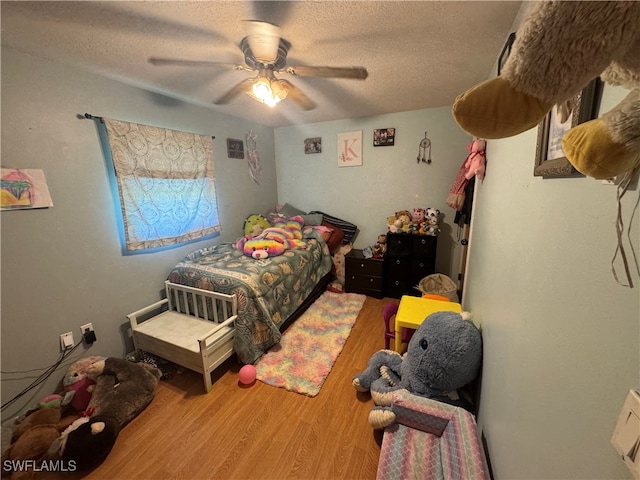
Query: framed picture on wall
[(550, 159), (235, 148), (313, 145), (383, 137), (350, 149)]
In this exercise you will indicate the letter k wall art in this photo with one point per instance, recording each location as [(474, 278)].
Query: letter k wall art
[(350, 149)]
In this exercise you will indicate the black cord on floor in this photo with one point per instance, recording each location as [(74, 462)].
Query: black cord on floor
[(42, 377)]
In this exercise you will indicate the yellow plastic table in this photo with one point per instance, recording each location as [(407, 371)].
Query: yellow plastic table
[(412, 311)]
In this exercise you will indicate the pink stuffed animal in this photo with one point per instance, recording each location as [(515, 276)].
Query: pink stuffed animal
[(418, 215), (476, 159)]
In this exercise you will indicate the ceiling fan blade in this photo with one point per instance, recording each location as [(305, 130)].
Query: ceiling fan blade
[(193, 63), (297, 95), (264, 40), (359, 73), (241, 87)]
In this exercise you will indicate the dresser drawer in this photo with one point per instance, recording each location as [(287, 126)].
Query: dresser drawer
[(358, 283), (424, 246), (399, 267), (364, 266), (396, 287), (398, 244), (421, 267)]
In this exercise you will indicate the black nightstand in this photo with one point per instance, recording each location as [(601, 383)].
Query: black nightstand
[(363, 275)]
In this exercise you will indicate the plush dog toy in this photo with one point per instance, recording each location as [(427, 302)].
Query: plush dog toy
[(559, 49), (444, 354), (275, 240)]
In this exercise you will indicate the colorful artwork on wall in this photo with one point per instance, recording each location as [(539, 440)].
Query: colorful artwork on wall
[(22, 189)]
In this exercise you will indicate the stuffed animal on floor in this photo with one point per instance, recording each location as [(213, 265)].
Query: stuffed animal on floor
[(31, 442), (77, 384), (123, 389), (560, 47), (275, 240), (443, 355)]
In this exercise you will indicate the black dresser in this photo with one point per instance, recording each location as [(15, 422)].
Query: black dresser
[(408, 260)]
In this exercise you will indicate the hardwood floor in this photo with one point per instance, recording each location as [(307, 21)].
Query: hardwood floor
[(256, 432)]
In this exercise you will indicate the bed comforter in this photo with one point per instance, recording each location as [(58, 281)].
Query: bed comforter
[(268, 290)]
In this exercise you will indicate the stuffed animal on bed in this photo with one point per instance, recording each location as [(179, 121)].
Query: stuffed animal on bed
[(443, 355), (275, 240), (559, 49), (255, 224)]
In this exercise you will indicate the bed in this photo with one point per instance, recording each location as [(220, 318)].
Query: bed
[(270, 292)]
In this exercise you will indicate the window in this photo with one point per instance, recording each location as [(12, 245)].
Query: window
[(166, 183)]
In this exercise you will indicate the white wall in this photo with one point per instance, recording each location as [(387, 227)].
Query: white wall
[(389, 180), (63, 267), (561, 337)]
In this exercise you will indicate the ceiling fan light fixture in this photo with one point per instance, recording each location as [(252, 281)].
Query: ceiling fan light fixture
[(279, 92), (261, 89), (267, 90)]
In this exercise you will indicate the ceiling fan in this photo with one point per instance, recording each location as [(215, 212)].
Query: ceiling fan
[(265, 52)]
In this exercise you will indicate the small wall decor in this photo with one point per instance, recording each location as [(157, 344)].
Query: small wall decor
[(383, 137), (255, 170), (424, 150), (235, 148), (506, 50), (550, 158), (313, 145), (350, 149), (23, 189)]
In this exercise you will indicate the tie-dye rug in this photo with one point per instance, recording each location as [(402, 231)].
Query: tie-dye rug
[(310, 346)]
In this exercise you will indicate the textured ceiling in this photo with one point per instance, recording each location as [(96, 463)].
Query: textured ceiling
[(418, 54)]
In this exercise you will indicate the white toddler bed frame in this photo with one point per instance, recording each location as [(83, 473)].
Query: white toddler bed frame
[(191, 327)]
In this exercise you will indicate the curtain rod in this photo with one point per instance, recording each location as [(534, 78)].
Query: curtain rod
[(91, 117), (94, 117)]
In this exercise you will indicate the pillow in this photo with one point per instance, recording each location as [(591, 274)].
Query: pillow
[(349, 230), (290, 211), (325, 232), (335, 238), (313, 219)]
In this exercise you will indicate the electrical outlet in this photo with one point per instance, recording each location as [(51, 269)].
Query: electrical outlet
[(66, 341), (85, 327), (88, 333)]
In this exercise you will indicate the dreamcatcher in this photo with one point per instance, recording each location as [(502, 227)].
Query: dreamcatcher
[(424, 150), (253, 157)]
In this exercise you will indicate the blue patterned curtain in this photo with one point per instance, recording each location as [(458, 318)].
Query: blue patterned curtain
[(166, 182)]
